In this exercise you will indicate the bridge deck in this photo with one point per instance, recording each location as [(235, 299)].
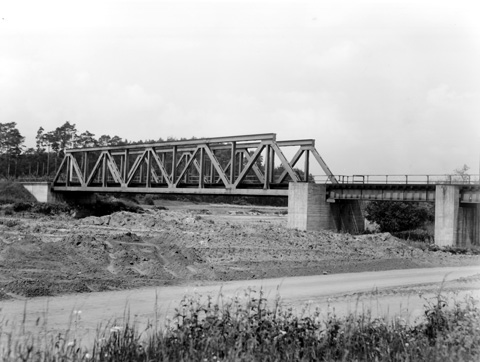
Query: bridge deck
[(469, 193)]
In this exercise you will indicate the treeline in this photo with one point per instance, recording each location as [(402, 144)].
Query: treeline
[(41, 161)]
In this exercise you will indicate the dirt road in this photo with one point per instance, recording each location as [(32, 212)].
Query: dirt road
[(386, 292)]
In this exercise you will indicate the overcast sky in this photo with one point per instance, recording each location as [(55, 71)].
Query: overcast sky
[(382, 86)]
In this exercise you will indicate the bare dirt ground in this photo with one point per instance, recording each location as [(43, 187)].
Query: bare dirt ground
[(185, 242)]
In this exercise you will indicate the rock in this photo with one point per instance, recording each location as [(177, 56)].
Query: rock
[(97, 221)]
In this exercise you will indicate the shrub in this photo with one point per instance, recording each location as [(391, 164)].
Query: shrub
[(415, 235), (22, 206), (398, 216), (148, 200)]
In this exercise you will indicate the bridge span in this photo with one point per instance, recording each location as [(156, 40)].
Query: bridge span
[(239, 165), (257, 165)]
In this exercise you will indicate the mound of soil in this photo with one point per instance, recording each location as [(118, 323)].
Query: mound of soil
[(12, 192), (59, 254)]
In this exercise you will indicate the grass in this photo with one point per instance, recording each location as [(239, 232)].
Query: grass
[(246, 328)]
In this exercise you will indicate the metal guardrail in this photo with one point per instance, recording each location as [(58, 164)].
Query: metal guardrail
[(402, 179)]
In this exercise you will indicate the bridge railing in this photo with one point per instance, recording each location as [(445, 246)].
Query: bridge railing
[(453, 179)]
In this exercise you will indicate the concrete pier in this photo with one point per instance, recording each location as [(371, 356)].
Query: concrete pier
[(456, 223), (308, 209), (447, 203)]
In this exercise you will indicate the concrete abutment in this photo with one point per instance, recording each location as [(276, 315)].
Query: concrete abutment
[(43, 193)]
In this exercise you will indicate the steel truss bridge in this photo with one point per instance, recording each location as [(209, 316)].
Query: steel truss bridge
[(253, 165), (239, 165)]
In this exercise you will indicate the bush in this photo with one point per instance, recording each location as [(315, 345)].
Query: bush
[(399, 216), (415, 235), (41, 208), (148, 200), (107, 206), (22, 206)]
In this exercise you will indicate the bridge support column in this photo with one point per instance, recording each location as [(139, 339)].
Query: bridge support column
[(308, 208), (447, 203), (456, 224)]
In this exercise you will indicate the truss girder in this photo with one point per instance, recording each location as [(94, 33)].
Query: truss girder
[(222, 162)]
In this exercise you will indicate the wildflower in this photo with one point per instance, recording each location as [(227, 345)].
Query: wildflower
[(77, 312), (87, 355), (115, 329)]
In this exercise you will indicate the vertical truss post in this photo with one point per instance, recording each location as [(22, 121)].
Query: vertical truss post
[(272, 164), (174, 166), (307, 166), (104, 170), (212, 169), (69, 170), (201, 181), (186, 179), (85, 165), (266, 184), (233, 152), (148, 181), (240, 162)]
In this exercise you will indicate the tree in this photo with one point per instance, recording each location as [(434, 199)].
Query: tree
[(461, 174), (398, 216), (10, 139), (86, 139), (62, 137), (11, 144), (106, 140), (41, 141)]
